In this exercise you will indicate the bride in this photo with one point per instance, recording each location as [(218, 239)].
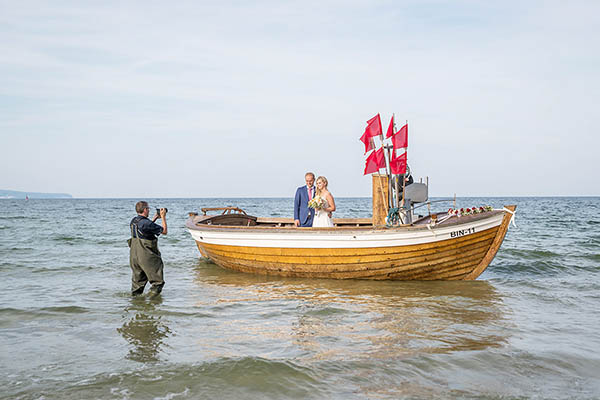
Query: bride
[(323, 214)]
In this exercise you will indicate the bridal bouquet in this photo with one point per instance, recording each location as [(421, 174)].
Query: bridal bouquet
[(316, 203)]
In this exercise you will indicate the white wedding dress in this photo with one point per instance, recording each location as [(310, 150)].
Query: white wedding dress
[(322, 219)]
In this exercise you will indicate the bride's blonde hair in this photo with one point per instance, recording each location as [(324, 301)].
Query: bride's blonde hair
[(322, 179)]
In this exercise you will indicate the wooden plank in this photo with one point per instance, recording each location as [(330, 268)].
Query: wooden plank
[(495, 245), (416, 272), (336, 221), (351, 252), (419, 265), (380, 199), (306, 257)]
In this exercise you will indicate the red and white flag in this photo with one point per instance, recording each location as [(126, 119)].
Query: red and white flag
[(390, 131), (400, 138), (375, 161), (398, 164), (374, 126), (373, 129), (368, 141)]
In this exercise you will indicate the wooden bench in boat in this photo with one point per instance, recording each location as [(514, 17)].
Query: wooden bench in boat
[(242, 219), (279, 222)]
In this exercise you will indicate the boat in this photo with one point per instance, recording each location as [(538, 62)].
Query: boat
[(396, 243), (450, 245)]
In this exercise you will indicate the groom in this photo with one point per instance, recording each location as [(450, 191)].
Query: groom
[(303, 216)]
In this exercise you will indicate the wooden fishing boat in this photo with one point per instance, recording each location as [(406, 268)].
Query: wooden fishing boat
[(437, 246)]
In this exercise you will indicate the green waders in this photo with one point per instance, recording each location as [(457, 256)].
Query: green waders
[(146, 264)]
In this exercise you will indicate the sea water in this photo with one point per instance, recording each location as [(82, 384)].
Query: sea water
[(69, 329)]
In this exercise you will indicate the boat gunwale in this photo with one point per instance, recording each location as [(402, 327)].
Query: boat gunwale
[(453, 221)]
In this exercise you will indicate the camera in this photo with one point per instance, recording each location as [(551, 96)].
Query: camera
[(158, 210)]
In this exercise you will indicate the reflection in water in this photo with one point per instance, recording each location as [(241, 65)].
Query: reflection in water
[(144, 331), (375, 319)]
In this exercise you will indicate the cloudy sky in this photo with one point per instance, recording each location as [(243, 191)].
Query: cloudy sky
[(240, 98)]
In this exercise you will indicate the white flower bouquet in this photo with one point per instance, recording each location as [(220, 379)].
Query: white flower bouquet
[(316, 203)]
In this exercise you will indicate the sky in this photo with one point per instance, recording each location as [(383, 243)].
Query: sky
[(144, 99)]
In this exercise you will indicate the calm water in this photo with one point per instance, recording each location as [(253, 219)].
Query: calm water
[(528, 328)]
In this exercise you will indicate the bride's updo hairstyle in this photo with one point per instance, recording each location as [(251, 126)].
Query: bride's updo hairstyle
[(324, 180)]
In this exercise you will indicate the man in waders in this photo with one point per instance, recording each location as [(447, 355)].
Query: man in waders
[(144, 257)]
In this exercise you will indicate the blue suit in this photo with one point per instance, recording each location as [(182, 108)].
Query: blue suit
[(301, 211)]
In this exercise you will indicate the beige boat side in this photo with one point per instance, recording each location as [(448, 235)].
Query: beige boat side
[(459, 248)]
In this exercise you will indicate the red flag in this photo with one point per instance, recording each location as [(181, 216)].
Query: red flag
[(398, 164), (367, 141), (390, 130), (400, 138), (374, 127), (375, 161)]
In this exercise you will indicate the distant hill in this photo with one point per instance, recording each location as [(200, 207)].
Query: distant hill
[(13, 194)]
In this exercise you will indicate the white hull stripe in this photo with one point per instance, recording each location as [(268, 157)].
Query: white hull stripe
[(339, 239)]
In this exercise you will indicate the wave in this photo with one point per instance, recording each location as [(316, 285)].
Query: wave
[(66, 309), (326, 312), (225, 378), (68, 239), (14, 217), (111, 241), (527, 254), (10, 315), (593, 257), (59, 267), (21, 249), (534, 267), (44, 310)]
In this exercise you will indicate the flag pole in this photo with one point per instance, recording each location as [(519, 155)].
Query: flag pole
[(381, 184), (397, 186), (387, 169), (393, 151), (404, 176), (389, 164), (390, 187), (387, 173)]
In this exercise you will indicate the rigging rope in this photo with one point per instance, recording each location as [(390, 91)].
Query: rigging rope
[(393, 217)]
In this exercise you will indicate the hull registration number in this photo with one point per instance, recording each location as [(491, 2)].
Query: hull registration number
[(462, 232)]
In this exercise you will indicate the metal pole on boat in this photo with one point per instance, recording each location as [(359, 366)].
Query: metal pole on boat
[(428, 203), (387, 172), (390, 188), (397, 190), (390, 150), (404, 176)]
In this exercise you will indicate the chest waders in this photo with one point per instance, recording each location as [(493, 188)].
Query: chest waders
[(145, 262)]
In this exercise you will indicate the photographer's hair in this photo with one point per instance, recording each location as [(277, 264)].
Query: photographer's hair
[(140, 206), (322, 179)]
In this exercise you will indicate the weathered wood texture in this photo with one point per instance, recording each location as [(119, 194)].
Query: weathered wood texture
[(445, 260), (489, 256), (380, 195), (227, 220), (338, 222)]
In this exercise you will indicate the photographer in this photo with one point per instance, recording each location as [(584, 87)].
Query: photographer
[(144, 257)]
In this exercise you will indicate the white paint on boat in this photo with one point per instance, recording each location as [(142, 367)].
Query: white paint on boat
[(338, 239)]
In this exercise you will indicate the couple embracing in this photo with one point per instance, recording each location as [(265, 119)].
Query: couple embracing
[(313, 206)]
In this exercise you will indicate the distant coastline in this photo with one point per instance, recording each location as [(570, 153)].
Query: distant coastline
[(13, 194)]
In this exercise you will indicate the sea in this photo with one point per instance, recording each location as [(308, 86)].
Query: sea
[(527, 328)]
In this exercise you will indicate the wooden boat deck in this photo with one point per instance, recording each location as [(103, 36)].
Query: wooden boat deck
[(243, 220)]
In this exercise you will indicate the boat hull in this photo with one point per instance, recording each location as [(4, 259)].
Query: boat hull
[(456, 251)]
